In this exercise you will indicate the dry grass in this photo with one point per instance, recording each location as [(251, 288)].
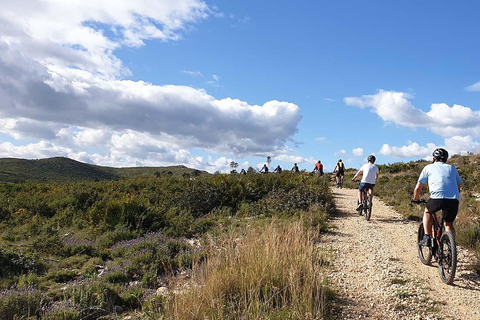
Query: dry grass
[(275, 272)]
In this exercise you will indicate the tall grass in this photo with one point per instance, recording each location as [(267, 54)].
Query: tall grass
[(275, 272)]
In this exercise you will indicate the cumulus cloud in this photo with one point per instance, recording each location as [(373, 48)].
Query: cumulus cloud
[(413, 149), (454, 145), (294, 159), (357, 152), (62, 84), (441, 119)]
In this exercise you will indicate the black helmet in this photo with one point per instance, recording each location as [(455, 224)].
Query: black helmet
[(440, 154), (371, 158), (340, 160)]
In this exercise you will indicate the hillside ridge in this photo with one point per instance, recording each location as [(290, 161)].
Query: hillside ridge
[(63, 169)]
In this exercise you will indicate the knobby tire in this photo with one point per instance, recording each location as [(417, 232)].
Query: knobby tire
[(447, 264), (367, 207), (424, 253)]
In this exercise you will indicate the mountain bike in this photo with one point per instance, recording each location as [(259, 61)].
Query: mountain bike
[(367, 203), (443, 247), (339, 181)]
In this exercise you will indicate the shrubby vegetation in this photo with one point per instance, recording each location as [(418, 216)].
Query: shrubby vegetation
[(90, 249)]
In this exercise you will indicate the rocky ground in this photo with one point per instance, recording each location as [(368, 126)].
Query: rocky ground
[(378, 275)]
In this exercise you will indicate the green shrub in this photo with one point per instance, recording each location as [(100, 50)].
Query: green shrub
[(12, 264), (62, 276)]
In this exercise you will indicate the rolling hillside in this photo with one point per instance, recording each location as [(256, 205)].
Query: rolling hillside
[(61, 169)]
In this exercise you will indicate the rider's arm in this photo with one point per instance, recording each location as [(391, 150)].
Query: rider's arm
[(356, 175), (418, 191)]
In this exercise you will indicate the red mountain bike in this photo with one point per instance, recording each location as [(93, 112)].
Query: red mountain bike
[(443, 248)]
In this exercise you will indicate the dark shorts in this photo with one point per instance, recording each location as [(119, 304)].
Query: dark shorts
[(364, 185), (340, 173), (451, 205)]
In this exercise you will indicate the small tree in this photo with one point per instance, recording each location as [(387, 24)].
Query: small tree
[(234, 166)]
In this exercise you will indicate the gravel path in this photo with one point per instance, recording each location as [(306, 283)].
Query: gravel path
[(378, 275)]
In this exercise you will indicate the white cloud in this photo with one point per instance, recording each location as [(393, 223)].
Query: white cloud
[(293, 159), (358, 152), (42, 149), (193, 73), (454, 145), (342, 152), (474, 87), (441, 119), (461, 145), (320, 139), (413, 149), (91, 137), (63, 86)]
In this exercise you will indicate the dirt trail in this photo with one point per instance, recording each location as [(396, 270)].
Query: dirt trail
[(378, 274)]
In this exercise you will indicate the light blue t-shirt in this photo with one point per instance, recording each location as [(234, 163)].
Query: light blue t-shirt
[(443, 180)]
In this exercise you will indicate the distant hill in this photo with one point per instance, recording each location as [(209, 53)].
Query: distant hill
[(61, 169)]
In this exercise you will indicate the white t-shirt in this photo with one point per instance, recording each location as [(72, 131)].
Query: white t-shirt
[(369, 173)]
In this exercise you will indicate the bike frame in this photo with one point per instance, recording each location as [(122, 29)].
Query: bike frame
[(437, 231)]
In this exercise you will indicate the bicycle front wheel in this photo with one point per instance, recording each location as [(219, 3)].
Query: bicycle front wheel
[(447, 262), (424, 253)]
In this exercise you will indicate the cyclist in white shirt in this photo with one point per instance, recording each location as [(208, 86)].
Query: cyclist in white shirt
[(444, 185), (370, 174)]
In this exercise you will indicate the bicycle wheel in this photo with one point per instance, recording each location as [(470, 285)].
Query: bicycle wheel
[(367, 205), (447, 262), (424, 253)]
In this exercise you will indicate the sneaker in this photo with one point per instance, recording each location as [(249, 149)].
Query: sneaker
[(425, 241), (359, 207)]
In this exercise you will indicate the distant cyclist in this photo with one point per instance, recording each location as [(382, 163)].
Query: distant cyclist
[(264, 169), (370, 174), (318, 168), (278, 169), (295, 168), (340, 171), (444, 185)]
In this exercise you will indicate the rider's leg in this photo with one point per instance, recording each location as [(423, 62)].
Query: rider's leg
[(449, 228), (427, 223)]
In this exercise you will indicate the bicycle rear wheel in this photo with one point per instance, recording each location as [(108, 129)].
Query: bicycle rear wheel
[(424, 253), (447, 262), (370, 206)]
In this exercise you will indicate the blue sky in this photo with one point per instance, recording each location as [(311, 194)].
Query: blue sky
[(203, 83)]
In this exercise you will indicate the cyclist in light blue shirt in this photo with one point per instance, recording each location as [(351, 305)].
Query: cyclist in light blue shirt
[(444, 185)]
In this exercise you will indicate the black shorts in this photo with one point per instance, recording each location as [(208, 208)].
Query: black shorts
[(340, 173), (451, 205)]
